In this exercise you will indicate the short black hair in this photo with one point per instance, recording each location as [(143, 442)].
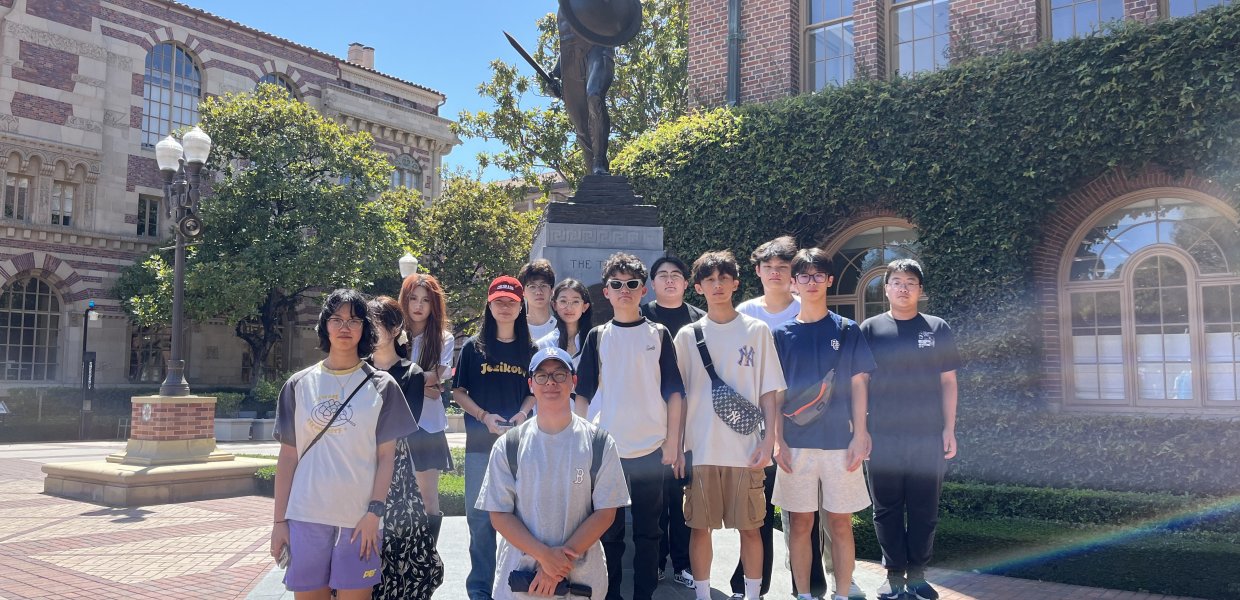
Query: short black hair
[(357, 305), (670, 260), (904, 265), (811, 258), (721, 262), (622, 262), (538, 269), (782, 247)]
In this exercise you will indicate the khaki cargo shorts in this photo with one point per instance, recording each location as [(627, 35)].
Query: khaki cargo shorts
[(725, 497)]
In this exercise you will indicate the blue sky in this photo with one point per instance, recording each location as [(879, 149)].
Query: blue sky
[(445, 45)]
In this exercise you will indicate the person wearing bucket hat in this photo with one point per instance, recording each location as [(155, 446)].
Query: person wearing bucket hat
[(490, 386), (552, 488)]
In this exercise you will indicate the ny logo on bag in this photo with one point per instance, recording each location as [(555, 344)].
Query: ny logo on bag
[(746, 359)]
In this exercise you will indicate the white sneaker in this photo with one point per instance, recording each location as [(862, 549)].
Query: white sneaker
[(854, 591), (684, 577)]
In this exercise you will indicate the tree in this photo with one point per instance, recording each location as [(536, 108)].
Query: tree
[(471, 234), (650, 89), (298, 204)]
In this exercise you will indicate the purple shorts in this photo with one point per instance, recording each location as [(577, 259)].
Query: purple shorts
[(321, 556)]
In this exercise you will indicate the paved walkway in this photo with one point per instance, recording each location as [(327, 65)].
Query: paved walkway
[(56, 548)]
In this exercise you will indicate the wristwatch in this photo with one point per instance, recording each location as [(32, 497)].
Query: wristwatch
[(375, 508)]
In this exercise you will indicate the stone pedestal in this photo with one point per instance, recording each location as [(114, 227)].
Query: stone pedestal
[(604, 217), (171, 456)]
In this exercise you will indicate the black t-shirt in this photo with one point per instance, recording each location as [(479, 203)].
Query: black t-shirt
[(672, 318), (412, 381), (497, 384), (906, 395)]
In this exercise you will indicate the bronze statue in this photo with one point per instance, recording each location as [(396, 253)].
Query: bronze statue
[(590, 31)]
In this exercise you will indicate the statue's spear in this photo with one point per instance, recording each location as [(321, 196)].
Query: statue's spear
[(551, 82)]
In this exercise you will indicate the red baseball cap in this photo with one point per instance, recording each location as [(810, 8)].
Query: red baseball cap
[(505, 287)]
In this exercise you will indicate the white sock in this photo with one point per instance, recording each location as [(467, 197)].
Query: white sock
[(804, 597), (839, 597), (753, 588), (701, 589)]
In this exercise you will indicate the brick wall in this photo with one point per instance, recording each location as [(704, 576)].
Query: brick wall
[(46, 66), (74, 13), (1070, 213), (169, 422), (41, 109), (143, 170), (978, 27)]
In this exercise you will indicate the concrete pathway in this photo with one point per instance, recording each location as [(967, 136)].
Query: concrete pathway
[(60, 549)]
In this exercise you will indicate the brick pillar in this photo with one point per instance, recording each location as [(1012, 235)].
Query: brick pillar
[(770, 50), (870, 38), (708, 52), (170, 430)]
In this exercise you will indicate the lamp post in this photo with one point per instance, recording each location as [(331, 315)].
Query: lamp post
[(408, 265), (88, 369), (181, 165)]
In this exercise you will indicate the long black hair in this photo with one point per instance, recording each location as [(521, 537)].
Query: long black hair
[(357, 305), (587, 315), (386, 313), (490, 332)]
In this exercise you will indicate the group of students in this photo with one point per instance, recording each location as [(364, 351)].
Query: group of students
[(693, 420)]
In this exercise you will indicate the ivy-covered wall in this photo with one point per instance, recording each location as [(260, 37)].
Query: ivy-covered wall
[(976, 157)]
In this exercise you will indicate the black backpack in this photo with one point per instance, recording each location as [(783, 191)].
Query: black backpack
[(512, 443)]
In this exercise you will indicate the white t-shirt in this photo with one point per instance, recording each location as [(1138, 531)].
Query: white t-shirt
[(434, 416), (743, 352), (538, 332), (552, 340), (333, 481), (551, 496), (754, 308)]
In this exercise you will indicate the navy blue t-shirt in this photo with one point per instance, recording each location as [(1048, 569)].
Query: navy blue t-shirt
[(807, 351), (496, 382)]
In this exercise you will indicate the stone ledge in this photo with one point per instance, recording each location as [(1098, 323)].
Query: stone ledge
[(135, 485)]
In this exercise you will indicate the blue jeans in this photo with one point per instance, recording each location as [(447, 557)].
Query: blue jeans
[(482, 545)]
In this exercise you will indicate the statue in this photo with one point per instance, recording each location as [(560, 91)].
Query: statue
[(590, 31)]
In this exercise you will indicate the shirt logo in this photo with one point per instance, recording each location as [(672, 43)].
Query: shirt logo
[(835, 344), (925, 339), (323, 411), (579, 476), (746, 359), (650, 348)]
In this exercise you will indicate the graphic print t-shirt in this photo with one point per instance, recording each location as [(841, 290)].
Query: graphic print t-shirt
[(497, 384), (807, 352), (905, 392), (333, 481)]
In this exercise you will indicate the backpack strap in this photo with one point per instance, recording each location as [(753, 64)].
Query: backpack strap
[(706, 360), (512, 447), (598, 445)]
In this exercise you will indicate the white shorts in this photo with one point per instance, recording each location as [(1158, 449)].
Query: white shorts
[(825, 471)]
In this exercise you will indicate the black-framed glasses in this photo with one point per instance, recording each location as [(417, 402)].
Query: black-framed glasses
[(616, 284), (545, 378), (808, 277)]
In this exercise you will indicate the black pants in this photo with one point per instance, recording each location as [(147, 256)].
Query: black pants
[(906, 478), (644, 476), (768, 552), (675, 542)]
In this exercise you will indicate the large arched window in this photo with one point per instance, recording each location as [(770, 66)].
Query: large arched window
[(859, 259), (281, 81), (1153, 293), (29, 331), (408, 173), (171, 88)]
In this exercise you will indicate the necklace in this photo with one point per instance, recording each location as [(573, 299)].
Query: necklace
[(506, 340)]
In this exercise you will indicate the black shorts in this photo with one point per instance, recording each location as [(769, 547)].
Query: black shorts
[(429, 451)]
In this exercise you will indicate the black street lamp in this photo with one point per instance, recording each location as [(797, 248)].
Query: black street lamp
[(181, 166), (88, 369)]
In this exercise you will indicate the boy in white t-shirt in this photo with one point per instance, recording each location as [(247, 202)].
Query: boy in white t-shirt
[(727, 480), (537, 278)]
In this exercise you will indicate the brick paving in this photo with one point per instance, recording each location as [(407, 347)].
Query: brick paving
[(61, 549)]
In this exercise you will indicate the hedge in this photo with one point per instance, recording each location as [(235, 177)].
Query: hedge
[(976, 156)]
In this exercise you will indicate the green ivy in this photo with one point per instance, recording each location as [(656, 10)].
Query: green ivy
[(976, 156)]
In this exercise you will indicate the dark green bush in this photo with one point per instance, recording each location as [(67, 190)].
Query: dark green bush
[(227, 404)]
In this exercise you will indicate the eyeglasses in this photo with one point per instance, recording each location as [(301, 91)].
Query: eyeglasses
[(616, 284), (808, 277), (569, 303), (537, 287), (338, 323), (670, 276), (903, 286), (544, 378)]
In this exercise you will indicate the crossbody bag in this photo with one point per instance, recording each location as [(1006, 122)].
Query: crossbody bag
[(738, 413), (810, 403)]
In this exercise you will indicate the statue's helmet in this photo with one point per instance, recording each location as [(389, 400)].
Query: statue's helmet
[(604, 22)]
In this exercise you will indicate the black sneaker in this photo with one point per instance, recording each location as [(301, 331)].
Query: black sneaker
[(921, 590), (662, 575), (683, 577), (891, 590)]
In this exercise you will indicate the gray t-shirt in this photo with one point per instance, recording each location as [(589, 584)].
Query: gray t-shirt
[(551, 495)]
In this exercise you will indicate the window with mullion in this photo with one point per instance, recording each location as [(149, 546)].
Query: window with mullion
[(829, 50), (171, 88), (16, 197), (1184, 8), (62, 203), (920, 36), (1074, 18)]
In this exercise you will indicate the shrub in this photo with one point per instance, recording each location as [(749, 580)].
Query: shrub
[(228, 404)]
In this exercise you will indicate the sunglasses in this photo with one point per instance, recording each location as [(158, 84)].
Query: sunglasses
[(616, 284)]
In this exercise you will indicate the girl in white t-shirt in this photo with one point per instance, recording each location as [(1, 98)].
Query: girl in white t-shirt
[(430, 346), (571, 301)]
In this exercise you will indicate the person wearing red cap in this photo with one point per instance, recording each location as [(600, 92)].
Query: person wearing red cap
[(490, 386)]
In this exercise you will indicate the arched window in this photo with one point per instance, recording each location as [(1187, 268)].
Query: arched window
[(408, 173), (279, 80), (171, 88), (859, 259), (1154, 294), (29, 331)]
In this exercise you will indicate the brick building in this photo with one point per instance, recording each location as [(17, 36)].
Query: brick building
[(87, 87), (1136, 275)]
